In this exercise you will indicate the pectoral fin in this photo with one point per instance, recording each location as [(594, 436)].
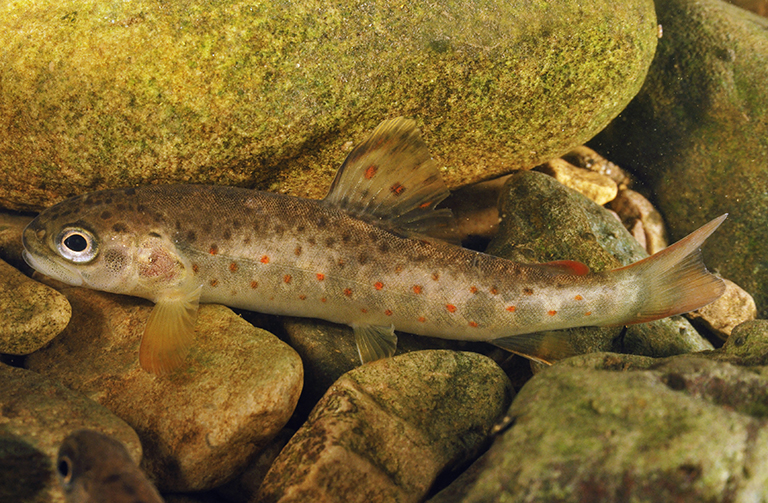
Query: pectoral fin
[(544, 347), (375, 342), (169, 333)]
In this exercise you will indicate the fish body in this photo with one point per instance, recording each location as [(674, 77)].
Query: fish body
[(361, 257), (95, 468)]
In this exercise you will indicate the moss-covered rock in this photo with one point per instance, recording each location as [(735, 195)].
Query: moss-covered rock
[(266, 95), (698, 134)]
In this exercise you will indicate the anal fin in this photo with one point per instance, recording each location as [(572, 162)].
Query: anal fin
[(545, 347), (169, 332), (375, 342)]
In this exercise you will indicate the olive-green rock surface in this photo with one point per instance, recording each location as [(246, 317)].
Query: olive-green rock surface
[(267, 94), (698, 134)]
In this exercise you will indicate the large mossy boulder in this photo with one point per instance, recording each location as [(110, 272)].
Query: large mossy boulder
[(271, 95), (698, 134)]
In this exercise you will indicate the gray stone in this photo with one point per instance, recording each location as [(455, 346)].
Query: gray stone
[(696, 134), (687, 429), (387, 429), (544, 221), (32, 313), (267, 94), (201, 424), (36, 414), (720, 318)]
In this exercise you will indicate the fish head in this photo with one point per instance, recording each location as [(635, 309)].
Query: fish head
[(106, 241)]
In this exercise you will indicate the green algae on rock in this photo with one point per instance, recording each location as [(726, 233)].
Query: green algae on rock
[(698, 134), (104, 94)]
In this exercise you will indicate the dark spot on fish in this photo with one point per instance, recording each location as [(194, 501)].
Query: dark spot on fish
[(191, 236), (207, 227), (195, 268), (256, 227), (329, 242), (384, 247), (227, 235), (214, 249), (140, 208), (214, 282), (297, 251), (300, 228), (321, 222), (105, 215), (341, 262), (177, 224), (247, 240), (397, 189), (435, 276), (362, 258), (373, 236), (236, 224), (154, 235), (130, 192), (279, 230), (119, 228), (528, 291), (159, 217), (345, 237), (311, 241), (120, 207), (108, 200), (675, 382)]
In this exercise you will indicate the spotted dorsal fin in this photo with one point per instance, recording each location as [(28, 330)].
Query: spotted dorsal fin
[(391, 180)]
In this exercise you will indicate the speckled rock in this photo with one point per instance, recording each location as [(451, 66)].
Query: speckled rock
[(32, 313), (641, 219), (543, 221), (11, 227), (719, 318), (584, 157), (200, 425), (591, 429), (595, 186), (696, 134), (35, 416), (267, 95), (386, 430), (748, 344)]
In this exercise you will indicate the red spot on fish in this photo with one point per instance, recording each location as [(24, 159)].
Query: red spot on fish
[(195, 268), (552, 313), (527, 291), (302, 297), (397, 189), (426, 205), (348, 292), (320, 276), (341, 262), (422, 319), (254, 284), (511, 309), (473, 289), (435, 276), (494, 291), (297, 251), (416, 289), (214, 250), (388, 312), (473, 324), (214, 282), (233, 267), (579, 297), (378, 285), (588, 313), (287, 278), (265, 259), (399, 269), (451, 308), (371, 171), (364, 310), (323, 299)]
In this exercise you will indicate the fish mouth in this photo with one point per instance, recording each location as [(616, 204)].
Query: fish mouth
[(52, 268)]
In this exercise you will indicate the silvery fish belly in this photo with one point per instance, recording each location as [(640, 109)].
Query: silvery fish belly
[(363, 256)]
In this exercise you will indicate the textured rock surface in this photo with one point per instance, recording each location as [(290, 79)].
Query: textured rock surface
[(31, 313), (544, 221), (11, 227), (110, 94), (386, 430), (35, 416), (697, 133), (201, 424), (595, 186), (592, 429), (720, 318)]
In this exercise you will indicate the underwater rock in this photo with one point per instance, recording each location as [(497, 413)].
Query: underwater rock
[(267, 94), (544, 221), (637, 213), (11, 227), (32, 313), (719, 318), (696, 134), (387, 429), (605, 427), (747, 344), (199, 425), (595, 186), (35, 415)]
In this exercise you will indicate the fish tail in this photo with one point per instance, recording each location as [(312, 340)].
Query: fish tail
[(675, 279)]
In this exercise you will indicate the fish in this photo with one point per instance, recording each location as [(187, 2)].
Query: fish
[(368, 255), (95, 468)]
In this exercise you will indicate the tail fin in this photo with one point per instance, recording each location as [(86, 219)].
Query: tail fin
[(676, 277)]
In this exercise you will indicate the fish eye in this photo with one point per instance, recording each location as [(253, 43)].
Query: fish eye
[(76, 245), (64, 467)]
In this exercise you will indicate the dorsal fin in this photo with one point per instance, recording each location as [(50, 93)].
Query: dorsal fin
[(391, 180)]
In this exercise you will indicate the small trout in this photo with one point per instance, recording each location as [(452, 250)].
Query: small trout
[(96, 468), (362, 257)]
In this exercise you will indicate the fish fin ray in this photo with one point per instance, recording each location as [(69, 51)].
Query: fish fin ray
[(676, 279), (169, 332), (544, 347), (375, 342), (391, 180)]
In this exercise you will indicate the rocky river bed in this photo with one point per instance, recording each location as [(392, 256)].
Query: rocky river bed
[(671, 103)]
